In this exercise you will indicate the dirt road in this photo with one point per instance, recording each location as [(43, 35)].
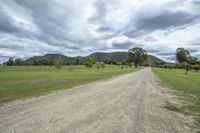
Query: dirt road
[(126, 104)]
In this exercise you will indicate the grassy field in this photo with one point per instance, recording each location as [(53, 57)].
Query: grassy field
[(187, 87), (25, 81)]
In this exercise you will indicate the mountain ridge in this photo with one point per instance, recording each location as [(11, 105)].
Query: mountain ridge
[(97, 56)]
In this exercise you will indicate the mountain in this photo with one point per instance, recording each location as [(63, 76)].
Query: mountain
[(98, 57), (120, 57), (53, 57)]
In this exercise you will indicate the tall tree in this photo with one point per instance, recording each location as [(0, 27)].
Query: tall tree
[(89, 62), (59, 63), (182, 55), (10, 62), (137, 55)]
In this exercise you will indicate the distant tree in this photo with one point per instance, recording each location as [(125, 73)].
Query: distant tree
[(137, 55), (76, 62), (51, 63), (35, 63), (196, 67), (10, 62), (89, 62), (146, 64), (182, 55), (18, 62), (160, 63), (44, 61), (58, 63), (123, 63), (108, 61), (114, 63)]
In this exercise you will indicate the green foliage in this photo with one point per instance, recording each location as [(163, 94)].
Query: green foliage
[(137, 55), (182, 55), (89, 62)]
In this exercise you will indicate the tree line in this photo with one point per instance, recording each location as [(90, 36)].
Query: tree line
[(184, 60), (136, 56)]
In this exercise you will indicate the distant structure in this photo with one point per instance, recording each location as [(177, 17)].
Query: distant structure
[(99, 63)]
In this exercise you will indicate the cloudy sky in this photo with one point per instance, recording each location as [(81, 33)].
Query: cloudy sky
[(81, 27)]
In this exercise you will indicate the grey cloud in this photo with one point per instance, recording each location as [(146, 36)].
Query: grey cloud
[(168, 19), (165, 20), (54, 21), (122, 45), (170, 53), (11, 46), (101, 10), (104, 29), (6, 23)]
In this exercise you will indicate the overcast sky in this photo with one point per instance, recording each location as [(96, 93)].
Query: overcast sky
[(81, 27)]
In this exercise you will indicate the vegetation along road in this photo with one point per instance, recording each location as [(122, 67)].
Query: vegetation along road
[(128, 103)]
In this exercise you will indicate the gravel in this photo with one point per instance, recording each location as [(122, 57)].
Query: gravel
[(129, 103)]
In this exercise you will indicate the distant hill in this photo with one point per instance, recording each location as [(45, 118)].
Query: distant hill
[(98, 57), (53, 57), (120, 57)]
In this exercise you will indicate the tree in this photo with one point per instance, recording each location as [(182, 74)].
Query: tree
[(192, 60), (10, 62), (18, 62), (89, 62), (44, 61), (76, 62), (137, 55), (182, 55), (51, 63), (58, 63)]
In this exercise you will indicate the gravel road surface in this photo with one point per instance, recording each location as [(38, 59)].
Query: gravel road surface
[(130, 103)]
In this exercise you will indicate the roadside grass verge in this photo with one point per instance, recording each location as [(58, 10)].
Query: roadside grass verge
[(26, 81), (186, 87)]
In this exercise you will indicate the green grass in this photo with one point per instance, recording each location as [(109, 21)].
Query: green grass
[(25, 81), (187, 87)]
